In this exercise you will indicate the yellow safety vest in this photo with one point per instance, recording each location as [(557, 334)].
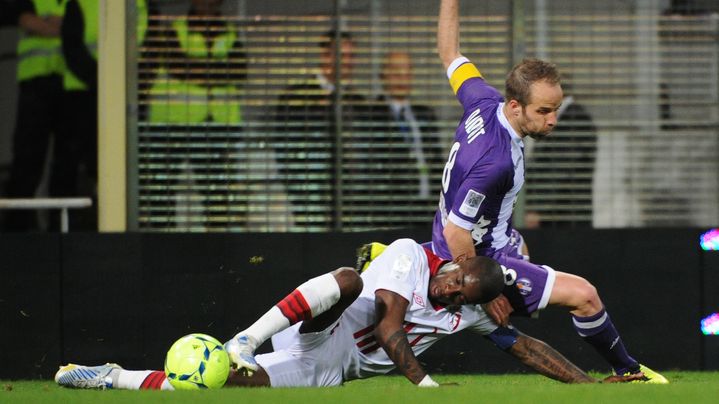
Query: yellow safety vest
[(91, 14), (142, 15), (181, 101), (40, 56)]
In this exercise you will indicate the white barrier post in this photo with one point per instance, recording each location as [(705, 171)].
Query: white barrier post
[(48, 203)]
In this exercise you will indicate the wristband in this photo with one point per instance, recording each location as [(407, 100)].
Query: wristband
[(428, 382)]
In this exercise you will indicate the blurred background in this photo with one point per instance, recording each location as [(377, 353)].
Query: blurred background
[(275, 116)]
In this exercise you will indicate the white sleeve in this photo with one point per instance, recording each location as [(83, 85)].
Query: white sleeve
[(484, 324), (400, 267)]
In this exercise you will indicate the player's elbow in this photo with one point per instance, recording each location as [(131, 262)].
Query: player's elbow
[(448, 56)]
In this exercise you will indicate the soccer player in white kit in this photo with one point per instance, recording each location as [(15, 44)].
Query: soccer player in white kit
[(342, 326)]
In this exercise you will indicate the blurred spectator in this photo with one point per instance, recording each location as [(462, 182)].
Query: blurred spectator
[(415, 123), (560, 170), (195, 96), (307, 121), (39, 106), (396, 157), (74, 168)]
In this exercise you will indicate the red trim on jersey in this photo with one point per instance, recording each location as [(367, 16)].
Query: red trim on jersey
[(434, 262), (153, 381), (295, 307), (416, 340), (364, 331), (366, 342), (370, 348)]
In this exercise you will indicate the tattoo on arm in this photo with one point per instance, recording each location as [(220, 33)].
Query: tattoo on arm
[(399, 350), (547, 361)]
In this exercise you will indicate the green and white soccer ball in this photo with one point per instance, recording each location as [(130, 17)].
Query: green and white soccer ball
[(197, 361)]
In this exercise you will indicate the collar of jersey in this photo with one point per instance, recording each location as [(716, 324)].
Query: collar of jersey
[(435, 263)]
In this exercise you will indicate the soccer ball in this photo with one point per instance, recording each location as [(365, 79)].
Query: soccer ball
[(197, 361)]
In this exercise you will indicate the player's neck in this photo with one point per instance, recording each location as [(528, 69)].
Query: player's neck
[(506, 110)]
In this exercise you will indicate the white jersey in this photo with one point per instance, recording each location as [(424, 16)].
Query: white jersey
[(347, 349), (405, 268)]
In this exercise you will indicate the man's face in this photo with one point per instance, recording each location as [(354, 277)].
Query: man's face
[(538, 118), (397, 75), (348, 59), (454, 286)]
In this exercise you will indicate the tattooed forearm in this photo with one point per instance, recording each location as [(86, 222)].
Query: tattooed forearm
[(399, 350), (547, 361)]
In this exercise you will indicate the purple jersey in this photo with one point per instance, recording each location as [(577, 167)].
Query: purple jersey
[(485, 168)]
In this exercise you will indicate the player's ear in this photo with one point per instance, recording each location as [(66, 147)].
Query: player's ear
[(515, 107)]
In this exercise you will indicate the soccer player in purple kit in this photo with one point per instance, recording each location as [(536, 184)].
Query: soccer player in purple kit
[(480, 183)]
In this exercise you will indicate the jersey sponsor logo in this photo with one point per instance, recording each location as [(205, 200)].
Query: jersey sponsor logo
[(525, 286), (474, 125), (472, 201), (401, 267), (480, 229), (418, 299)]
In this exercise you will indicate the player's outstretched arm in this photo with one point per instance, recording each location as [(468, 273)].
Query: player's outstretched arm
[(448, 32), (390, 309), (547, 361)]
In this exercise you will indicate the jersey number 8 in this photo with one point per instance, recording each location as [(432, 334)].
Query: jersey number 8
[(448, 166)]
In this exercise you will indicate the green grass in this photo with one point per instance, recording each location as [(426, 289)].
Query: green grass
[(685, 387)]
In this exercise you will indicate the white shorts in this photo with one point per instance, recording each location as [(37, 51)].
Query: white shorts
[(320, 359)]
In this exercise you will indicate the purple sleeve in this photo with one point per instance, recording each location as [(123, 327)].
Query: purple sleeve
[(475, 90)]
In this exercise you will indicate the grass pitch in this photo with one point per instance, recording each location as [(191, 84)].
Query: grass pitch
[(685, 387)]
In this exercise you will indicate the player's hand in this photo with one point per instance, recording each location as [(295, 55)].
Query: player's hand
[(623, 379), (499, 310)]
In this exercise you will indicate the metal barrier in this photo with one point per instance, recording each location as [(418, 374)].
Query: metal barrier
[(48, 203)]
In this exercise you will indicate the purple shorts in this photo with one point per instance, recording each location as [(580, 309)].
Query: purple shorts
[(528, 285)]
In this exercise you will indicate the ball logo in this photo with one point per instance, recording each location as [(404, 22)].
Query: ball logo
[(525, 286)]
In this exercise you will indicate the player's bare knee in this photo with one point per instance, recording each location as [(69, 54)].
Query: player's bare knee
[(586, 297), (349, 281)]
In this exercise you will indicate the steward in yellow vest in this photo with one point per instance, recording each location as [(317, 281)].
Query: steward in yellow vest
[(38, 49), (203, 65)]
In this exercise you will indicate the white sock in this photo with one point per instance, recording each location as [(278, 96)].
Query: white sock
[(134, 379), (310, 299)]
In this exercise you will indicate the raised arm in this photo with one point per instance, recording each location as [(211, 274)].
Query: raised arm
[(390, 309), (448, 32)]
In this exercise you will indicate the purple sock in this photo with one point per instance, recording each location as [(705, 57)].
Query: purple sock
[(599, 331)]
